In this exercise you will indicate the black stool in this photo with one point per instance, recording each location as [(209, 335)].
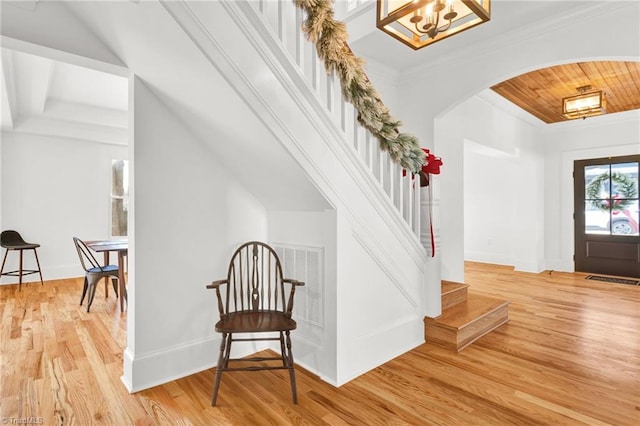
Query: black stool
[(11, 240)]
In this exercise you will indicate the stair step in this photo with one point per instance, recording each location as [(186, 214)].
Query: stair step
[(462, 324), (453, 293)]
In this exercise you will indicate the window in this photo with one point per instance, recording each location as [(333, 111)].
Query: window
[(119, 197), (611, 199)]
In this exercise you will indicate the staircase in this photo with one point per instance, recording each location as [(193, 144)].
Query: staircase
[(465, 318)]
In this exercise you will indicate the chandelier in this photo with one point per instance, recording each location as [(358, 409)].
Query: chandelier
[(587, 104), (418, 23)]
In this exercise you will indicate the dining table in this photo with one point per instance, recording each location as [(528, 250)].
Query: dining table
[(121, 247)]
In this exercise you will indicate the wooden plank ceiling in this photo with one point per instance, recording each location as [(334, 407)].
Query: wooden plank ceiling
[(540, 92)]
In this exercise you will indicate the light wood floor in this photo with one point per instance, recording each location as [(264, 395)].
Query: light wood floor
[(569, 355)]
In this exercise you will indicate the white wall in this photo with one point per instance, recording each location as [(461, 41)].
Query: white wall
[(494, 193), (596, 137), (52, 190), (188, 218), (491, 217)]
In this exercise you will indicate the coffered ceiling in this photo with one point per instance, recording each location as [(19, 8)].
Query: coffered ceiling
[(540, 92), (43, 96)]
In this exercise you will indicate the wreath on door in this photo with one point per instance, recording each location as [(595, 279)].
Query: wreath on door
[(626, 189)]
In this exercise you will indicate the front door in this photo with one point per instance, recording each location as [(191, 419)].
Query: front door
[(606, 216)]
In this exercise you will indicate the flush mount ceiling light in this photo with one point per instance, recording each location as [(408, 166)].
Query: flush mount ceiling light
[(587, 104), (418, 23)]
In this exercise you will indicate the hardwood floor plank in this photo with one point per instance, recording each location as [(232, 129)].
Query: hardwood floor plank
[(570, 355)]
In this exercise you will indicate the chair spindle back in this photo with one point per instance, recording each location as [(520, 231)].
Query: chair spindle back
[(255, 280), (85, 255)]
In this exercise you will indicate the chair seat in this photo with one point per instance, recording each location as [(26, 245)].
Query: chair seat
[(108, 268), (20, 246), (255, 321), (11, 240)]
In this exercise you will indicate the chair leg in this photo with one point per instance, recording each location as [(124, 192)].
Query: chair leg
[(93, 284), (84, 290), (223, 361), (282, 351), (35, 252), (20, 272), (124, 289), (114, 283), (292, 371), (6, 252)]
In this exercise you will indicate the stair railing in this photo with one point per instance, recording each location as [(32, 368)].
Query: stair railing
[(284, 20)]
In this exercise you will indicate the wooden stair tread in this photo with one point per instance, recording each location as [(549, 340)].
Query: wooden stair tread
[(450, 286), (452, 293), (461, 315)]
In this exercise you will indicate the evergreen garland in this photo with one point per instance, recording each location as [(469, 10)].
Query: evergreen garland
[(625, 186), (330, 37)]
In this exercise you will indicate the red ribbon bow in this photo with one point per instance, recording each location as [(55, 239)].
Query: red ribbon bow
[(433, 163)]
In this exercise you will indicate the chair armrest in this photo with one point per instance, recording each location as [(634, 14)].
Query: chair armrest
[(216, 284), (295, 283)]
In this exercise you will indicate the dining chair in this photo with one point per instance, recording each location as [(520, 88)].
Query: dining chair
[(94, 272), (12, 240), (253, 301)]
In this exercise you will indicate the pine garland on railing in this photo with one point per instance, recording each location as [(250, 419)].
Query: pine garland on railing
[(330, 37)]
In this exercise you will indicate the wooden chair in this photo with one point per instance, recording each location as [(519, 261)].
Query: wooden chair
[(253, 300), (12, 240), (94, 272)]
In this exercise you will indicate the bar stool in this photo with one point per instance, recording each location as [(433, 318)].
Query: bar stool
[(12, 240)]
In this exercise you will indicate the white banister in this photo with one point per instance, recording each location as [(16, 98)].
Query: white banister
[(300, 40), (416, 206), (371, 146), (284, 20)]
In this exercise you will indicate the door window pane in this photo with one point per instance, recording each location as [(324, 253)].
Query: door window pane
[(611, 199)]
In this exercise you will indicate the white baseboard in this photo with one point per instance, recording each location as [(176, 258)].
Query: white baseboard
[(369, 352), (48, 273), (487, 257), (159, 367)]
